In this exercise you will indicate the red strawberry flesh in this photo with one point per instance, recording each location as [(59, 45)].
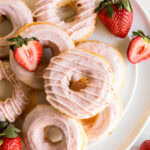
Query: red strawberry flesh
[(138, 50), (29, 56)]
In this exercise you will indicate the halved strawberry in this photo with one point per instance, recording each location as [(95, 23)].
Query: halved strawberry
[(27, 52), (116, 15), (139, 48)]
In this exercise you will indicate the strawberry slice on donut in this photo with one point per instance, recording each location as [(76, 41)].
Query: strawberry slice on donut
[(139, 48), (27, 52)]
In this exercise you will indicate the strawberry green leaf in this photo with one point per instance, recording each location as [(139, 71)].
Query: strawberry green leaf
[(11, 131), (141, 33), (1, 142), (127, 5), (19, 41), (3, 125), (101, 6), (2, 134), (119, 5), (110, 11)]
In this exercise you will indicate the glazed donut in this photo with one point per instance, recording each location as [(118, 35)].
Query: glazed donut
[(80, 28), (105, 122), (44, 117), (74, 65), (49, 36), (19, 15), (12, 107), (112, 56)]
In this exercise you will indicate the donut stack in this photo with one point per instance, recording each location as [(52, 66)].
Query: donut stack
[(80, 81)]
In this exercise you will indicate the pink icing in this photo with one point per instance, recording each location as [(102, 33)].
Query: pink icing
[(111, 55), (75, 64), (82, 25), (45, 116), (12, 107), (19, 15), (48, 35)]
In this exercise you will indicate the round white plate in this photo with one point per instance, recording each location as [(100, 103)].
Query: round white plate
[(134, 94)]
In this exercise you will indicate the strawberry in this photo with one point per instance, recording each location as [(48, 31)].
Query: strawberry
[(116, 15), (139, 48), (27, 52), (145, 145), (9, 139), (11, 144)]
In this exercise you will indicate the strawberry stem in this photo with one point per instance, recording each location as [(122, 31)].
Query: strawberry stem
[(8, 130), (141, 34), (118, 3), (19, 41)]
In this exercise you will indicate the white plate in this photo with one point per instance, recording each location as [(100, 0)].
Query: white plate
[(134, 94)]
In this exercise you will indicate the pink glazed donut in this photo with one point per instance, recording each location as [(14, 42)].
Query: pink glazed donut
[(80, 28), (105, 122), (12, 107), (36, 130), (73, 65), (19, 15)]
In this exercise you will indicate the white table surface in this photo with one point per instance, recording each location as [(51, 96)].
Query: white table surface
[(146, 133)]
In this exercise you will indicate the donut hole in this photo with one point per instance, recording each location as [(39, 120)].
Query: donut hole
[(6, 89), (79, 84), (53, 134), (5, 26), (88, 123), (49, 50), (67, 12)]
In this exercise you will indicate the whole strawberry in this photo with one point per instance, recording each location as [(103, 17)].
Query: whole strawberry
[(116, 15), (9, 139)]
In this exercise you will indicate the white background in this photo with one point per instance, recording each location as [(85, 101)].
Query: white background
[(146, 133)]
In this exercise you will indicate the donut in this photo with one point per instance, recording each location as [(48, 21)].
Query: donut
[(19, 15), (75, 65), (80, 28), (104, 123), (114, 58), (35, 130), (12, 107), (49, 36)]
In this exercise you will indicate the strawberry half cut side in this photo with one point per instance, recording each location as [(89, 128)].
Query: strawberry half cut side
[(139, 48), (27, 52)]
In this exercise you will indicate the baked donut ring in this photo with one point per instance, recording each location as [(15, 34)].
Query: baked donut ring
[(104, 123), (49, 36), (80, 28), (19, 15), (12, 107), (114, 58), (74, 65), (44, 117)]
